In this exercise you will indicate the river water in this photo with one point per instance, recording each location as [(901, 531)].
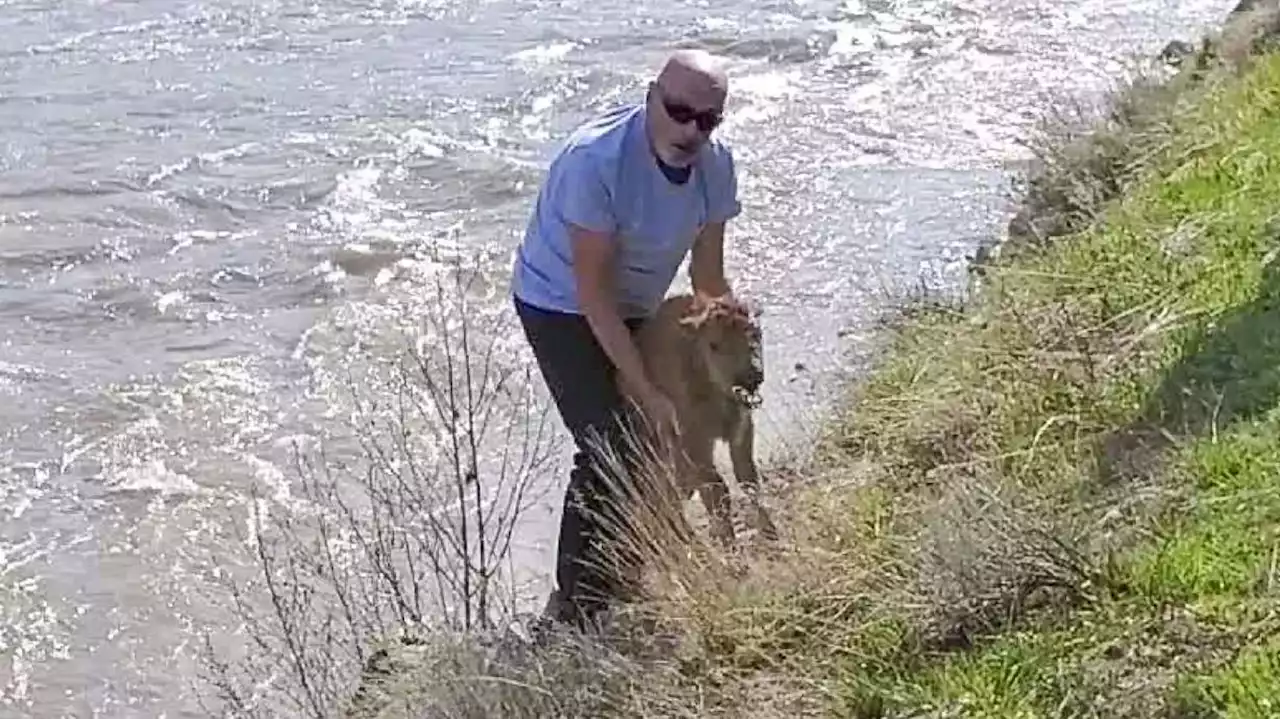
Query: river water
[(205, 204)]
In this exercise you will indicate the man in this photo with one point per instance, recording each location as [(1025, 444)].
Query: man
[(629, 195)]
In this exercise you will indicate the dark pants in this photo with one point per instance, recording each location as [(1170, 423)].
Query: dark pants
[(582, 382)]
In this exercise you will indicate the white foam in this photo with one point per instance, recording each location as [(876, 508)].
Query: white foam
[(762, 97), (169, 300), (152, 475), (852, 39), (354, 207), (768, 85), (544, 54), (718, 24), (213, 158), (422, 143), (272, 476)]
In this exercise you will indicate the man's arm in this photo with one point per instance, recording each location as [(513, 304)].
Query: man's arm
[(593, 269), (586, 208), (706, 262)]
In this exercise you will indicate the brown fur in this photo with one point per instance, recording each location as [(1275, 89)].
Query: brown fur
[(694, 351)]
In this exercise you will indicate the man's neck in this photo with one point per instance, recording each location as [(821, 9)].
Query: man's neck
[(675, 175)]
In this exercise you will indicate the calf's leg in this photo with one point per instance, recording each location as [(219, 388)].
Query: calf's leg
[(711, 488), (742, 455)]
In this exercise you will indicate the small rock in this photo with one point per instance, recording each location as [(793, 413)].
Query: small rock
[(1176, 51)]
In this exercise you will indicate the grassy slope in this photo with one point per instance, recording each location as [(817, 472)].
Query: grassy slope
[(1154, 337), (1127, 377), (1066, 500)]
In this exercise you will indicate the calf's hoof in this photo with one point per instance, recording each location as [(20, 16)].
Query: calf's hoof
[(765, 525)]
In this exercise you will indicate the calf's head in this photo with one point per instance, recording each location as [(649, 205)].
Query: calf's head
[(726, 341)]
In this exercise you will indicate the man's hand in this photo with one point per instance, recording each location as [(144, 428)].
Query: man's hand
[(661, 413)]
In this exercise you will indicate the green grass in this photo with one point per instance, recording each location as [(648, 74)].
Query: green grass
[(1246, 688), (1222, 540), (1127, 378)]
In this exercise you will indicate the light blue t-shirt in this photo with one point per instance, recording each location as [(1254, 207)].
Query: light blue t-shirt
[(606, 178)]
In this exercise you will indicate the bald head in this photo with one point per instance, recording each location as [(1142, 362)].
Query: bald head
[(695, 71), (686, 101)]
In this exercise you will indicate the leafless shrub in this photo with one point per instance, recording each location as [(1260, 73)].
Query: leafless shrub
[(409, 535), (1084, 155), (1250, 31), (987, 552)]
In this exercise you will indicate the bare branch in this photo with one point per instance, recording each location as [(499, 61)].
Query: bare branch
[(413, 532)]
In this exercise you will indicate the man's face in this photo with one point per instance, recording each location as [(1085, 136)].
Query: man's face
[(682, 116)]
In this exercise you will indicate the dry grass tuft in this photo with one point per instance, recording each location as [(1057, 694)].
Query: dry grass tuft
[(989, 554), (451, 676)]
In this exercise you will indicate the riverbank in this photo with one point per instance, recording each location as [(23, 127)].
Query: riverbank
[(1053, 500)]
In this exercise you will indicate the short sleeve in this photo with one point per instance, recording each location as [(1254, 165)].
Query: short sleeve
[(582, 196), (722, 190)]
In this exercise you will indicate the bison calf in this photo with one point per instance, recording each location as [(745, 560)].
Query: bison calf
[(705, 355)]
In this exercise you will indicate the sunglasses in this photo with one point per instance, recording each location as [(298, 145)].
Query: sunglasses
[(682, 114)]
